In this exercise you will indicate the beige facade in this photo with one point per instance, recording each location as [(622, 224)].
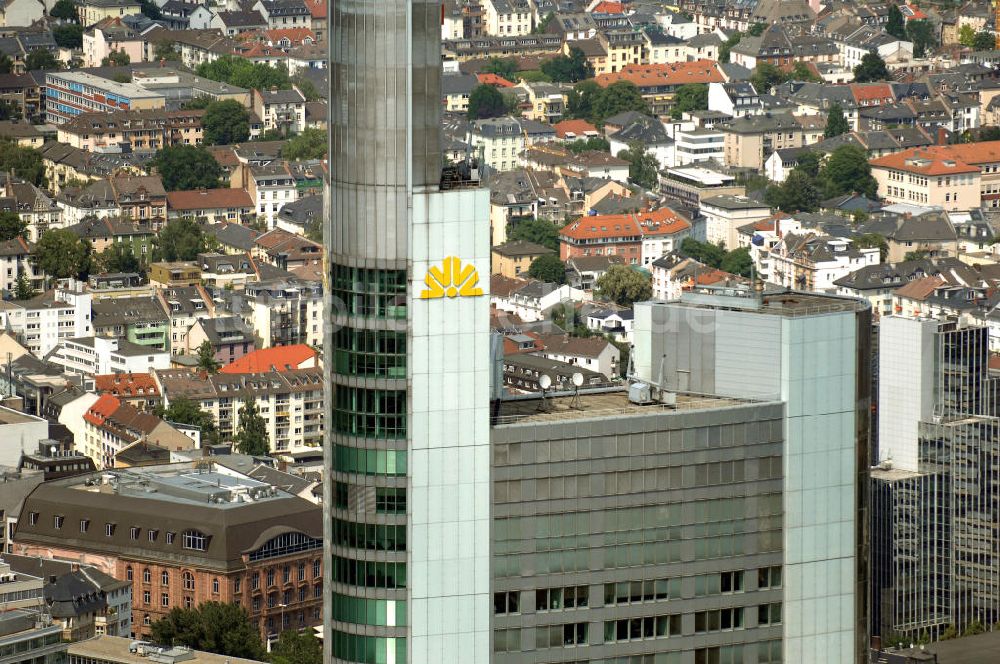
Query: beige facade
[(750, 149), (505, 18), (95, 11), (959, 191)]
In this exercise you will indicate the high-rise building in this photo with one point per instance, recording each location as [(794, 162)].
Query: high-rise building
[(936, 489), (719, 517), (407, 437)]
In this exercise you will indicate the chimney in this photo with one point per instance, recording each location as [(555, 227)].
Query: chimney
[(942, 136)]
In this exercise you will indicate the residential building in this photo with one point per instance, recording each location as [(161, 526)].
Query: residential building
[(174, 274), (283, 14), (513, 259), (498, 142), (139, 320), (658, 83), (777, 45), (814, 262), (41, 323), (750, 140), (289, 401), (281, 110), (876, 283), (203, 533), (89, 356), (592, 353), (270, 187), (109, 426), (690, 185), (15, 262), (53, 460), (22, 132), (506, 18), (151, 129), (234, 23), (673, 274), (651, 134), (929, 177), (229, 337), (71, 93), (23, 431), (530, 301), (927, 231), (136, 389), (91, 12), (212, 205), (724, 214), (639, 238), (279, 358), (285, 312), (111, 35)]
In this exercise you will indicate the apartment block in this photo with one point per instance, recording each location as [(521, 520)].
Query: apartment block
[(69, 94), (89, 356), (41, 323)]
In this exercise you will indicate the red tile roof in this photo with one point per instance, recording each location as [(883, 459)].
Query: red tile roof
[(126, 385), (103, 408), (608, 7), (494, 80), (279, 358), (924, 161), (200, 199), (677, 73), (294, 35), (612, 226), (579, 128), (872, 92), (920, 289), (317, 8)]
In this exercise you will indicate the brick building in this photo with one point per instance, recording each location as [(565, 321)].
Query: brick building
[(184, 534)]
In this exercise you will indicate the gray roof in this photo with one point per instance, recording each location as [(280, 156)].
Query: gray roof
[(456, 84)]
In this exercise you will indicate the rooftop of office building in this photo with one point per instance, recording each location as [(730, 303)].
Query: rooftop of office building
[(126, 651), (783, 302), (601, 404)]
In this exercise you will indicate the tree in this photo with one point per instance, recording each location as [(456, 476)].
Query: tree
[(966, 35), (798, 193), (704, 252), (119, 257), (917, 255), (11, 226), (295, 647), (689, 97), (984, 41), (6, 64), (871, 68), (624, 286), (738, 262), (310, 144), (251, 437), (65, 10), (847, 171), (728, 45), (306, 87), (225, 122), (41, 59), (921, 33), (486, 102), (598, 143), (185, 167), (61, 254), (617, 98), (166, 50), (895, 25), (801, 72), (23, 289), (218, 627), (69, 35), (871, 241), (836, 123), (116, 59), (548, 268), (757, 29), (149, 9), (538, 231), (201, 102), (567, 69), (502, 67), (181, 240), (245, 74), (809, 163), (643, 168), (206, 357), (544, 23), (26, 163), (765, 76), (185, 411)]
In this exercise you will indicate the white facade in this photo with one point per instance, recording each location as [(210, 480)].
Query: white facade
[(100, 355), (695, 145), (905, 387), (450, 603), (71, 416), (42, 325), (723, 221), (19, 433), (664, 152)]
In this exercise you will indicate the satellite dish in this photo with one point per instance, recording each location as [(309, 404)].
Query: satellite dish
[(544, 382), (578, 379)]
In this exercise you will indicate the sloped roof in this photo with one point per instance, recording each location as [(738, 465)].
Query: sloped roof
[(279, 358)]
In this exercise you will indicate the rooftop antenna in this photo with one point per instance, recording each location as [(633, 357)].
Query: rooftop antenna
[(544, 382), (577, 383)]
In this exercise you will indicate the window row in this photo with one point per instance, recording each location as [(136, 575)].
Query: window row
[(368, 293), (718, 620), (369, 462), (375, 537), (367, 649), (364, 413), (378, 353), (368, 574), (190, 539), (637, 629), (362, 611)]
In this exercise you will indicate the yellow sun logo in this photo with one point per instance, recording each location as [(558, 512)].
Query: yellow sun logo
[(452, 279)]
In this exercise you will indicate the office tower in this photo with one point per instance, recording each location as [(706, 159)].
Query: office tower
[(719, 514), (936, 488), (407, 436)]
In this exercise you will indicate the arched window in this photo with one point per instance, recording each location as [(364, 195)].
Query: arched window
[(164, 578), (128, 572), (147, 576), (188, 581)]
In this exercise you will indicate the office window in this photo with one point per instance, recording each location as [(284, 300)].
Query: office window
[(637, 629), (732, 582), (255, 581), (554, 599), (769, 614), (769, 577), (506, 602), (717, 620), (556, 636)]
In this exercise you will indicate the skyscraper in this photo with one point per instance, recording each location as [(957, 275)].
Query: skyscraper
[(407, 436)]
